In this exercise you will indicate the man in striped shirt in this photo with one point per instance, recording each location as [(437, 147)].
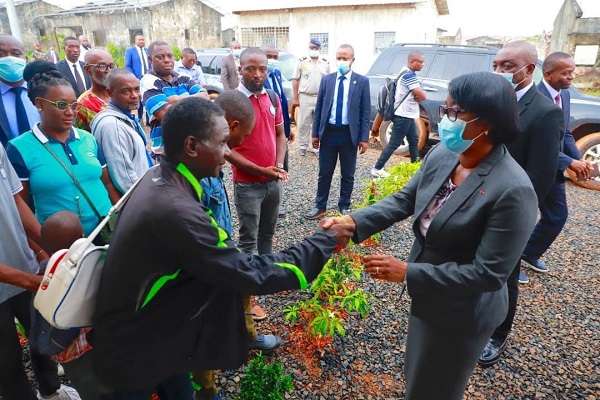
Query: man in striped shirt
[(161, 87)]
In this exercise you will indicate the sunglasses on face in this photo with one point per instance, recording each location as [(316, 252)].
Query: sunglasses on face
[(62, 105), (103, 67), (452, 113)]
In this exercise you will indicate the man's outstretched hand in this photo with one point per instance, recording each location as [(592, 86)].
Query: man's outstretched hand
[(344, 227)]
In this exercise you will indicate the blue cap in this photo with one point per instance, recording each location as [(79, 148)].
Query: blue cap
[(315, 41)]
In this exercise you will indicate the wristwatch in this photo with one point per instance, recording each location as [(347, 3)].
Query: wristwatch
[(279, 165)]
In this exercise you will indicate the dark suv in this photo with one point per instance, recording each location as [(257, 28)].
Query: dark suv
[(442, 64)]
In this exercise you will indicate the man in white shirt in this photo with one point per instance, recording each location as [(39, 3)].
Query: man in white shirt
[(84, 46), (187, 66)]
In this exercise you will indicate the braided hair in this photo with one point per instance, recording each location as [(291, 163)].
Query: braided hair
[(40, 76)]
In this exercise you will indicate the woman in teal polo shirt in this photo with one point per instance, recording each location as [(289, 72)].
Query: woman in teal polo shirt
[(54, 158)]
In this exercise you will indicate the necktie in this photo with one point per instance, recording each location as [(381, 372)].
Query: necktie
[(339, 105), (80, 84), (557, 100), (22, 120), (143, 60)]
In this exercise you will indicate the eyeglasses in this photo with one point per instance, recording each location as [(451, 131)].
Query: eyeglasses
[(62, 105), (452, 113), (103, 67)]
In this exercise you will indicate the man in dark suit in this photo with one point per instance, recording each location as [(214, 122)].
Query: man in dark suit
[(536, 151), (558, 71), (17, 112), (230, 65), (138, 63), (72, 69), (340, 126), (52, 55)]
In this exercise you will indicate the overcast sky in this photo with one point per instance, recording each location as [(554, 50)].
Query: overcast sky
[(475, 17)]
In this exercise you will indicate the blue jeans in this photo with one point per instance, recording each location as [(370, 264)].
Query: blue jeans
[(402, 127), (257, 205), (336, 143), (177, 387)]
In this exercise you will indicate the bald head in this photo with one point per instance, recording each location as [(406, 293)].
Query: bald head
[(92, 56), (9, 45), (524, 49), (61, 230), (416, 59)]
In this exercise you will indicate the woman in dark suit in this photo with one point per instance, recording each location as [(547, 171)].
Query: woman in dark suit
[(474, 210)]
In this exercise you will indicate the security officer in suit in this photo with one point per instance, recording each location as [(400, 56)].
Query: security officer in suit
[(542, 126), (340, 128), (305, 82), (72, 69), (558, 71)]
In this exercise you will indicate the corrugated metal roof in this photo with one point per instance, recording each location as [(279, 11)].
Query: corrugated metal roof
[(283, 4), (109, 5)]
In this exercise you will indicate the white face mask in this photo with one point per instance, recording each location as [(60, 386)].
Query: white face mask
[(510, 77), (313, 53), (343, 66)]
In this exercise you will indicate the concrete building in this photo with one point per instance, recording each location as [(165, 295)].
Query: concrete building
[(577, 32), (368, 25), (184, 23)]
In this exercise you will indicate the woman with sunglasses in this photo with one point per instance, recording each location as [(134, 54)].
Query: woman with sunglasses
[(474, 209), (61, 166)]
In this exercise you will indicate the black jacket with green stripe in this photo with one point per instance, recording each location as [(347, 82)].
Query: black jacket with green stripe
[(170, 296)]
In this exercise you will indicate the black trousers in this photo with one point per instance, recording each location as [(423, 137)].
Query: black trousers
[(14, 384), (501, 333)]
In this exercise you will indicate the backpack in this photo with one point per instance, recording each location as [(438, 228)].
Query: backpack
[(66, 297), (387, 96)]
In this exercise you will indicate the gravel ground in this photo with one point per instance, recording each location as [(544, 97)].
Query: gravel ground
[(554, 351)]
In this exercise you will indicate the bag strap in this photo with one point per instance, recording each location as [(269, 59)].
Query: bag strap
[(400, 75), (273, 96), (75, 181), (113, 210)]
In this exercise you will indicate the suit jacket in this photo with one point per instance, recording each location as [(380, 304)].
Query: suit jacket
[(50, 58), (568, 150), (133, 62), (457, 274), (278, 88), (5, 132), (229, 73), (64, 67), (536, 147), (359, 106)]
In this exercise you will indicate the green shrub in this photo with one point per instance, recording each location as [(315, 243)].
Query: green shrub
[(380, 188), (117, 54), (264, 381)]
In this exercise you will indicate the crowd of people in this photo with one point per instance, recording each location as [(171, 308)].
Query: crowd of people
[(73, 143)]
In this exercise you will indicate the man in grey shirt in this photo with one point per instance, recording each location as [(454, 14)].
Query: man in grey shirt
[(119, 133), (18, 266)]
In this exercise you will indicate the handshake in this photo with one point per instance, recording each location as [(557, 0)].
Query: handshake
[(343, 226)]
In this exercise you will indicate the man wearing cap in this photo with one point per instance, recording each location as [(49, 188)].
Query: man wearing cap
[(305, 81)]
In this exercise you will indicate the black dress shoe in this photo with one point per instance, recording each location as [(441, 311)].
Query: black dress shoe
[(315, 214), (492, 351)]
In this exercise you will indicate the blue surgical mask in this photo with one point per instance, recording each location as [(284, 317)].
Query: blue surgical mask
[(236, 52), (272, 64), (451, 134), (343, 66), (11, 69), (510, 77), (313, 53)]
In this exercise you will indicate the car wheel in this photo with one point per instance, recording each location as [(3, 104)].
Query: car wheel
[(589, 146), (385, 132)]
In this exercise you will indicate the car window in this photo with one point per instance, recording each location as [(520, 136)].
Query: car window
[(210, 63), (537, 74), (448, 66), (287, 64), (393, 59)]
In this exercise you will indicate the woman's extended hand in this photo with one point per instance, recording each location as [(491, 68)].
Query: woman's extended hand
[(385, 267)]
